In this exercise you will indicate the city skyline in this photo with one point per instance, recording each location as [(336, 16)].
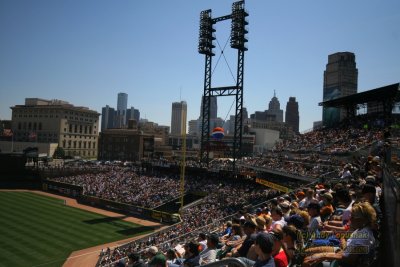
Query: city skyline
[(87, 52)]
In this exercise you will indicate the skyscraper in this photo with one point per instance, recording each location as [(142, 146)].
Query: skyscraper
[(340, 79), (274, 109), (122, 105), (178, 117), (292, 118), (213, 107), (132, 114), (107, 117)]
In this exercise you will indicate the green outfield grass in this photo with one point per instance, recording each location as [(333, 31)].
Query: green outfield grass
[(37, 230)]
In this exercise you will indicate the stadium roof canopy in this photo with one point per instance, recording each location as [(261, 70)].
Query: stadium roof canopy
[(381, 94)]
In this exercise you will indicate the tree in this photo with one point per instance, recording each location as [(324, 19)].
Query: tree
[(59, 153)]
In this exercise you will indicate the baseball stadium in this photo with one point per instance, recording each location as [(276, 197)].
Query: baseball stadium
[(261, 194)]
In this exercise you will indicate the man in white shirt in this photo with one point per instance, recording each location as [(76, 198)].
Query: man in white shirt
[(313, 210), (210, 253)]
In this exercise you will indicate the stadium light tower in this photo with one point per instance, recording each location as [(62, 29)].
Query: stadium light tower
[(238, 40)]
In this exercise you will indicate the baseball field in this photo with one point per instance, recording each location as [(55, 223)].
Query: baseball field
[(38, 230)]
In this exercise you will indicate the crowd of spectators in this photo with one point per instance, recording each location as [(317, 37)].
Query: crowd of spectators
[(125, 186), (330, 141), (223, 198), (328, 221)]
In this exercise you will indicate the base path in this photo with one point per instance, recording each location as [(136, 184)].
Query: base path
[(89, 256)]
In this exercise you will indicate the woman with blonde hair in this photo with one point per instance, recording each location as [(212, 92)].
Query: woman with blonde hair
[(360, 247)]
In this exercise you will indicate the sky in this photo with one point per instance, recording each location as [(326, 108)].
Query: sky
[(86, 52)]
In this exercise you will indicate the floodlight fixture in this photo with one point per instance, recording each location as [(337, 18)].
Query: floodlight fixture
[(206, 35), (238, 26)]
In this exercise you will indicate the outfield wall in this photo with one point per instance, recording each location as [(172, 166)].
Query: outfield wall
[(64, 189)]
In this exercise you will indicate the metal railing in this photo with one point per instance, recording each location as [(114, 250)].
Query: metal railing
[(226, 262)]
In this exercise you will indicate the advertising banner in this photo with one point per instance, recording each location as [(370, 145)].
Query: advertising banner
[(272, 185)]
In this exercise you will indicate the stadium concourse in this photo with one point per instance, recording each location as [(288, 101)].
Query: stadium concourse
[(334, 219)]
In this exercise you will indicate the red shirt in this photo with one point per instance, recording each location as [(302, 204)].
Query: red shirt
[(281, 259)]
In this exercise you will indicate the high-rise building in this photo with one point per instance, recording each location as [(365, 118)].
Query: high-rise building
[(74, 129), (213, 107), (245, 114), (340, 79), (274, 109), (122, 105), (107, 117), (292, 118), (194, 127), (132, 114), (178, 118)]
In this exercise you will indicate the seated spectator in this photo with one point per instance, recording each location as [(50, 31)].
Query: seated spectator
[(326, 206), (210, 253), (192, 257), (156, 258), (134, 260), (263, 247), (292, 243), (228, 229), (309, 197), (285, 206), (360, 247), (249, 228), (297, 221), (230, 243), (313, 210), (172, 258), (202, 239), (277, 218), (278, 252), (341, 222), (369, 194)]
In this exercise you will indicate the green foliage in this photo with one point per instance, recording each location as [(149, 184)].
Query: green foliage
[(59, 153)]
